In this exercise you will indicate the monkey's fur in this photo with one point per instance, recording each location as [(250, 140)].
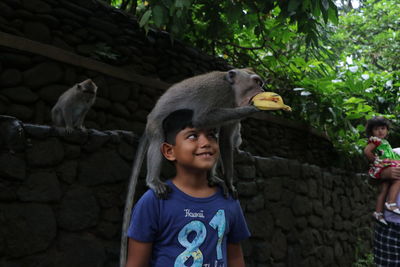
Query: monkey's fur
[(218, 99), (73, 105)]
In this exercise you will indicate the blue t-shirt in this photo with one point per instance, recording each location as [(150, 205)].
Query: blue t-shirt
[(188, 231)]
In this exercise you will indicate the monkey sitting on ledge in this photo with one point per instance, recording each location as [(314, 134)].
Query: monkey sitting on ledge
[(73, 105)]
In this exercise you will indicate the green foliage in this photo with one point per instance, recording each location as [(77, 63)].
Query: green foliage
[(335, 71), (208, 23), (367, 261)]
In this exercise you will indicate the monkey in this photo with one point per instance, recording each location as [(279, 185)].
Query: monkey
[(73, 105), (218, 100)]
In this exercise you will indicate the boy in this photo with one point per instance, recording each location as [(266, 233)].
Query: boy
[(196, 226)]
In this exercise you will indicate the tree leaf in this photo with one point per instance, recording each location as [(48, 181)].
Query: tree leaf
[(145, 18)]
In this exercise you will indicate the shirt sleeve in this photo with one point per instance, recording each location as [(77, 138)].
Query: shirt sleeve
[(144, 223), (374, 140), (239, 230)]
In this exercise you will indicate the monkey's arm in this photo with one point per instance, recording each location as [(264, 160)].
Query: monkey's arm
[(222, 116)]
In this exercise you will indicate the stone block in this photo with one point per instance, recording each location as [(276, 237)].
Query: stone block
[(45, 153), (261, 224), (36, 6), (284, 219), (27, 228), (247, 188), (103, 167), (256, 203), (279, 244), (246, 171), (40, 187), (10, 78), (273, 189), (34, 77), (51, 93), (301, 205), (12, 166), (262, 251), (78, 209), (67, 171), (80, 250)]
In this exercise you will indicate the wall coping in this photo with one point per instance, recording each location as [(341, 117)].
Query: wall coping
[(65, 56)]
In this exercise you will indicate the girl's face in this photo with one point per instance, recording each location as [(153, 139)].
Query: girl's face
[(380, 131)]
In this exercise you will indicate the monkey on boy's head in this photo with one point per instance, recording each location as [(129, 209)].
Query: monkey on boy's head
[(219, 99)]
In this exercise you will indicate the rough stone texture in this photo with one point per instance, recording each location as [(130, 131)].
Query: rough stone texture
[(40, 187), (12, 166), (103, 167), (31, 84), (26, 228), (76, 187), (78, 209), (45, 153), (301, 212)]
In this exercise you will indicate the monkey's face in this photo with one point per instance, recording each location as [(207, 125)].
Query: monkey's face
[(88, 87), (194, 150), (245, 84)]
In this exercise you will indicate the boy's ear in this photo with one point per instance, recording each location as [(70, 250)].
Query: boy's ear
[(168, 151)]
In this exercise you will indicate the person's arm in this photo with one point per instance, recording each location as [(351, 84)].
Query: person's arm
[(368, 151), (235, 255), (138, 253)]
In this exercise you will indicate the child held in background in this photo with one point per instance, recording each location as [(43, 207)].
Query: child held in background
[(383, 159), (196, 225)]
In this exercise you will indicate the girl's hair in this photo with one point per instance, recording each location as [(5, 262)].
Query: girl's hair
[(375, 122)]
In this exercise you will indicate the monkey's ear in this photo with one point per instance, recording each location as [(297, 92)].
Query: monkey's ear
[(168, 151), (231, 76)]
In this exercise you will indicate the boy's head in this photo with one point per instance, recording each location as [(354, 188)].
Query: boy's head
[(373, 123), (175, 122), (188, 146)]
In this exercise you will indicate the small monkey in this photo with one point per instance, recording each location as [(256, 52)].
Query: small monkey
[(218, 100), (73, 105)]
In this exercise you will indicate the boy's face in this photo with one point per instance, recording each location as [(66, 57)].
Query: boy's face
[(196, 149), (380, 131)]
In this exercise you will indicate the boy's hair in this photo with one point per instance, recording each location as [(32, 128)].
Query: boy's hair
[(175, 122), (375, 122)]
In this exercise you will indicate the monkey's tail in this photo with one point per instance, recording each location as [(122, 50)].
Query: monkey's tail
[(140, 154)]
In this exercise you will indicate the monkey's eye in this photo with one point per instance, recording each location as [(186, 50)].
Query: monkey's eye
[(259, 82)]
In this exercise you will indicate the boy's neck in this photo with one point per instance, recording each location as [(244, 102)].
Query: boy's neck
[(194, 184)]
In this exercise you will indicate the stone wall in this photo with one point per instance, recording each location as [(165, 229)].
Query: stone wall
[(93, 29), (55, 44), (62, 198)]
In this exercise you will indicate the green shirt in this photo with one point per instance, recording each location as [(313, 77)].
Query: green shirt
[(385, 151)]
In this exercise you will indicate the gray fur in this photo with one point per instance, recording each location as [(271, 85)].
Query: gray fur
[(73, 105), (218, 99)]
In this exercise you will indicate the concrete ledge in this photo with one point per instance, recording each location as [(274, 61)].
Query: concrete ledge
[(49, 51)]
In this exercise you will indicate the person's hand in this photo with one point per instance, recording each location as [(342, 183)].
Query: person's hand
[(395, 172), (391, 173)]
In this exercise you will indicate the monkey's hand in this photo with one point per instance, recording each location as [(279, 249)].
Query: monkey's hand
[(161, 189), (69, 129)]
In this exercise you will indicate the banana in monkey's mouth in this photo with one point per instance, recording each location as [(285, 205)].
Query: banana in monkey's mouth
[(269, 101)]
